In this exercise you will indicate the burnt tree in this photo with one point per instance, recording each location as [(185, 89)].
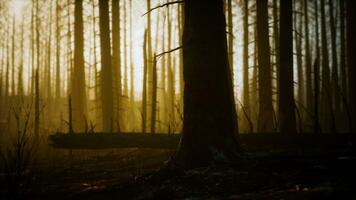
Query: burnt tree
[(210, 119)]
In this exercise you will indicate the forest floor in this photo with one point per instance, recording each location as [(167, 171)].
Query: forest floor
[(138, 174)]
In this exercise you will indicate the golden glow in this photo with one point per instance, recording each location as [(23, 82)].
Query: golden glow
[(17, 7)]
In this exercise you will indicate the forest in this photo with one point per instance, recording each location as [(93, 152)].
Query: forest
[(177, 99)]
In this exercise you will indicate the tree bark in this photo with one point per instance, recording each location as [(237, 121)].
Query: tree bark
[(106, 69), (265, 119), (116, 62), (78, 76), (210, 121), (286, 114), (351, 62)]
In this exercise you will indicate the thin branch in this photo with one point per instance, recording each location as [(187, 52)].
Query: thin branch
[(170, 51), (162, 5)]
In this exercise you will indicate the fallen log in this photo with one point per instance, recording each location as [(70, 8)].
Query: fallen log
[(251, 142)]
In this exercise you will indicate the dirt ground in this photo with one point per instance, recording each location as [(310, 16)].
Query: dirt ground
[(140, 174)]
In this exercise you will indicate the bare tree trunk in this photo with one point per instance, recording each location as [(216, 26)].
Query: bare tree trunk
[(298, 29), (149, 63), (154, 96), (308, 62), (20, 90), (37, 106), (132, 69), (106, 70), (246, 86), (230, 36), (116, 61), (58, 50), (170, 77), (144, 87), (342, 57), (334, 66), (276, 46), (208, 131), (326, 101), (316, 71), (351, 63), (13, 91), (265, 119), (78, 77), (286, 116)]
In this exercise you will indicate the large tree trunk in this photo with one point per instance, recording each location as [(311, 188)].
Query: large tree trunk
[(106, 70), (286, 114), (210, 121), (265, 119)]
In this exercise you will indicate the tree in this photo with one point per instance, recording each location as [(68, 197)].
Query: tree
[(116, 61), (286, 114), (246, 87), (210, 121), (78, 76), (334, 66), (265, 119), (308, 63), (351, 62), (327, 119), (106, 70)]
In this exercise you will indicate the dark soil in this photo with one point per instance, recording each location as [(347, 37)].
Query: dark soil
[(140, 174)]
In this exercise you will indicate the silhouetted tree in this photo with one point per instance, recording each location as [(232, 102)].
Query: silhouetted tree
[(265, 119), (210, 121), (286, 114)]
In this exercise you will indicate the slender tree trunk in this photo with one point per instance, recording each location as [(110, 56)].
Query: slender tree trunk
[(20, 89), (37, 106), (208, 131), (230, 36), (308, 62), (351, 62), (13, 91), (180, 35), (58, 50), (163, 108), (144, 87), (132, 71), (116, 61), (170, 76), (78, 77), (154, 96), (149, 63), (265, 119), (276, 45), (342, 58), (316, 71), (106, 70), (246, 86), (334, 66), (286, 98), (326, 101)]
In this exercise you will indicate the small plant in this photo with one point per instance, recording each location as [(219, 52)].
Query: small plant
[(18, 156)]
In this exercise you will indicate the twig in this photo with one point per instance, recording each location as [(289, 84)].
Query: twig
[(162, 5), (170, 51)]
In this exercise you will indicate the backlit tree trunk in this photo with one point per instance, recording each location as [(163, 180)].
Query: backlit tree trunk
[(210, 121)]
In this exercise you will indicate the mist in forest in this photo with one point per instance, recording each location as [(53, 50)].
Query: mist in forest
[(187, 85)]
